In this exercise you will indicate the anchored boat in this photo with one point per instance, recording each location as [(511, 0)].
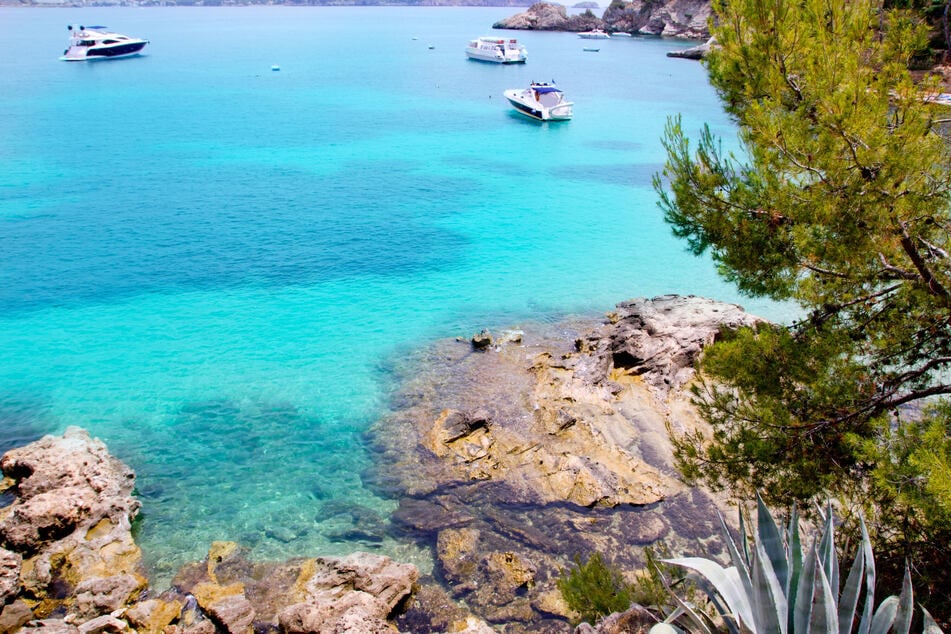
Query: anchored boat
[(499, 50), (87, 43), (541, 101)]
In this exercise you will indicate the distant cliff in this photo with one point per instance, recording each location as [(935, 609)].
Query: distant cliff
[(674, 18)]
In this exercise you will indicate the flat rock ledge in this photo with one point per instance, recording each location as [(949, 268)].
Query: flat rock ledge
[(668, 18), (513, 453), (68, 563)]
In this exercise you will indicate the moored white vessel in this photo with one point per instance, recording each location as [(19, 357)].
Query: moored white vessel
[(541, 101), (87, 43), (499, 50), (595, 34)]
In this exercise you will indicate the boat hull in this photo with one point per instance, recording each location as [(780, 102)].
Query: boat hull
[(534, 110), (481, 56), (112, 51)]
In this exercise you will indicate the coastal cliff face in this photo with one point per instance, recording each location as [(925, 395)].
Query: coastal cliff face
[(672, 18)]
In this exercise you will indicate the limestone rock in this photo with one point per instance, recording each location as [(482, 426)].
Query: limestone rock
[(549, 447), (50, 626), (10, 563), (694, 52), (355, 593), (14, 615), (657, 339), (546, 16), (102, 595), (153, 615), (70, 523), (669, 18)]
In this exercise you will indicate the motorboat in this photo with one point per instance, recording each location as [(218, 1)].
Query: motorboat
[(499, 50), (595, 34), (541, 101), (87, 43)]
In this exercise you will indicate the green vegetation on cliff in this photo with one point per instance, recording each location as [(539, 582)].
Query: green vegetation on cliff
[(840, 205)]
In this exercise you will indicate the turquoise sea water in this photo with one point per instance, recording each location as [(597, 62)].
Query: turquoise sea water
[(209, 264)]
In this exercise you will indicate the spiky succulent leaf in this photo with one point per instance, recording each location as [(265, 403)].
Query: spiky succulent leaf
[(884, 616), (848, 600), (802, 610), (739, 560), (726, 581), (769, 600), (772, 541), (905, 605), (827, 554), (794, 565), (825, 618), (866, 623), (930, 627)]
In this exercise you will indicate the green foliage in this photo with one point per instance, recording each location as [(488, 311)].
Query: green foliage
[(594, 589), (841, 204), (650, 588), (775, 585)]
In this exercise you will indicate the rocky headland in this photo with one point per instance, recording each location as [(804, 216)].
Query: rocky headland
[(669, 18), (511, 454)]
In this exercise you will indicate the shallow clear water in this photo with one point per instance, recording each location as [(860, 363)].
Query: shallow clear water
[(209, 264)]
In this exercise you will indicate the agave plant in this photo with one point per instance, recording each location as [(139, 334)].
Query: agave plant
[(776, 587)]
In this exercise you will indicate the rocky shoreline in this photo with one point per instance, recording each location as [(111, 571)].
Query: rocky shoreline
[(510, 455), (668, 18)]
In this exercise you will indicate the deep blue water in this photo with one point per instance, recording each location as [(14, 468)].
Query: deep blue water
[(209, 264)]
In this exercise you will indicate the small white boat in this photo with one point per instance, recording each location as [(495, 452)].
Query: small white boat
[(87, 43), (544, 102), (595, 34), (499, 50)]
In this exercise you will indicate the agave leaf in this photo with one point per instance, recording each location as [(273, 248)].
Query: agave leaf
[(905, 605), (727, 583), (802, 610), (769, 600), (849, 598), (772, 541), (827, 554), (884, 616), (682, 607), (929, 626), (866, 623), (740, 562), (794, 564), (665, 628), (825, 618)]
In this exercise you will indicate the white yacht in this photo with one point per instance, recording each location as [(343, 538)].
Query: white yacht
[(595, 34), (87, 43), (497, 49), (544, 102)]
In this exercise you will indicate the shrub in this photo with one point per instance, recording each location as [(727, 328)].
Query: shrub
[(594, 588)]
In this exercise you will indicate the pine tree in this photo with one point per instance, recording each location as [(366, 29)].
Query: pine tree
[(839, 204)]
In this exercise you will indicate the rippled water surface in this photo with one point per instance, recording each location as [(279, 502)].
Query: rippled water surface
[(210, 264)]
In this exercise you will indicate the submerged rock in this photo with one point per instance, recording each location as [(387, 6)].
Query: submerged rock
[(68, 562)]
